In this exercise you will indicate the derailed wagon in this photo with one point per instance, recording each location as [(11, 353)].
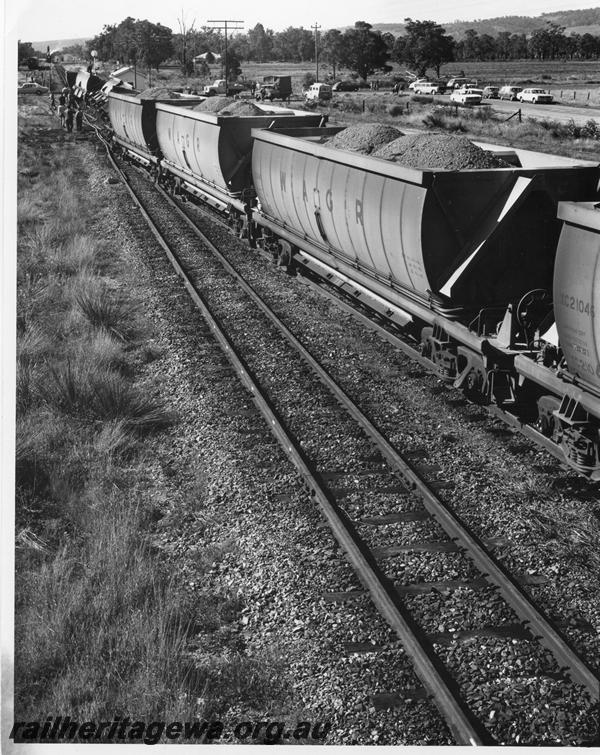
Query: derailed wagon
[(465, 260)]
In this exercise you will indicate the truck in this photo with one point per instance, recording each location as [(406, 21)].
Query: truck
[(274, 88), (223, 87)]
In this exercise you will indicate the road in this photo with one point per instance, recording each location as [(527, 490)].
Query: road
[(555, 111)]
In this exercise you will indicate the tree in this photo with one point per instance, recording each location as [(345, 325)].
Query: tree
[(294, 44), (364, 51), (105, 43), (547, 43), (332, 43), (427, 45), (181, 48), (126, 41), (154, 43), (232, 62), (26, 51), (260, 43)]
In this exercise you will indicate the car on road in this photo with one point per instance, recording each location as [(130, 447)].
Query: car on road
[(345, 86), (535, 96), (509, 92), (460, 82), (468, 96), (429, 87), (417, 83), (490, 93), (30, 87), (318, 92)]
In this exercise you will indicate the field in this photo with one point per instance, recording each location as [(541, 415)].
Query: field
[(542, 134), (581, 77)]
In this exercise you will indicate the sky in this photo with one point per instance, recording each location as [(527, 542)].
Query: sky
[(33, 20)]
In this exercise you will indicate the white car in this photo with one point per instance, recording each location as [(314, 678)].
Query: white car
[(427, 87), (414, 85), (467, 96), (30, 87), (535, 96)]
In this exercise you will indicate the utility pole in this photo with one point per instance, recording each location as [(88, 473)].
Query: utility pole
[(316, 28), (225, 27)]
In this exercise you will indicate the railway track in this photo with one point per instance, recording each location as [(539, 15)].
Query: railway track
[(331, 441)]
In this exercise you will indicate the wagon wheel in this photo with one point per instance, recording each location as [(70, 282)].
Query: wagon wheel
[(533, 307)]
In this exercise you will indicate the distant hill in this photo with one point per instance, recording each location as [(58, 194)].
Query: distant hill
[(56, 44), (574, 21)]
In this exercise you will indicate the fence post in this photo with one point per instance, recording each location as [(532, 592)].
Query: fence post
[(520, 119), (561, 94), (363, 106), (588, 97), (574, 94)]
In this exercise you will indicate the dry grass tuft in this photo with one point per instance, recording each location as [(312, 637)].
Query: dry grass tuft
[(105, 309), (114, 398)]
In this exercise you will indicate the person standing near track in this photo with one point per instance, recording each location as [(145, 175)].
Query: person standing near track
[(69, 118), (61, 114), (79, 118)]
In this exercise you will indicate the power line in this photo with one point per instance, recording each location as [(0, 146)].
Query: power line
[(316, 28), (225, 27)]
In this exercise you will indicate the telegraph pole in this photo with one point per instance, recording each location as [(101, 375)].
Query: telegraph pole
[(224, 26), (316, 28)]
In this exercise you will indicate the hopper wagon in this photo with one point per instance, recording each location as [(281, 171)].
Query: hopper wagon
[(463, 260)]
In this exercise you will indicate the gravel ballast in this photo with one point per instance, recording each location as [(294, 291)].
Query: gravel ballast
[(296, 570)]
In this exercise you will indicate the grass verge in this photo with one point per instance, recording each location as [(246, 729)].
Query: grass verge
[(103, 624)]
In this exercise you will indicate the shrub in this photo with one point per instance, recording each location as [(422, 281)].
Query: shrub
[(591, 130), (395, 110)]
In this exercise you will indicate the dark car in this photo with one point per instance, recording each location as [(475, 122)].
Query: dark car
[(491, 93), (345, 86)]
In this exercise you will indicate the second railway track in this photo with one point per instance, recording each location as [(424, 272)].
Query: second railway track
[(369, 494)]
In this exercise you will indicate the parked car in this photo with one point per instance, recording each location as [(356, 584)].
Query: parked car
[(509, 92), (345, 86), (417, 82), (30, 87), (318, 91), (274, 88), (430, 87), (535, 96), (221, 86), (469, 96), (460, 82), (490, 93)]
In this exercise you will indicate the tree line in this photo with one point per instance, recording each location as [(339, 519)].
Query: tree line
[(361, 49)]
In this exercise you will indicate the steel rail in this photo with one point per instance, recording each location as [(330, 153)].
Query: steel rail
[(510, 589), (465, 727), (322, 286)]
